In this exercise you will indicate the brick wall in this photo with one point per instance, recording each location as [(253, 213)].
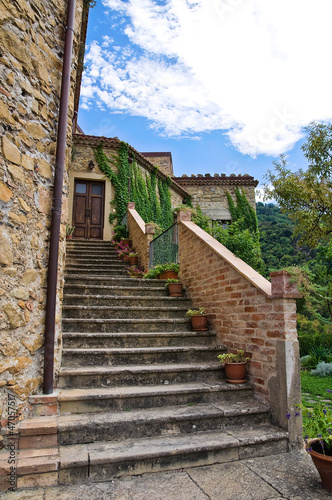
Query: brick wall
[(247, 312)]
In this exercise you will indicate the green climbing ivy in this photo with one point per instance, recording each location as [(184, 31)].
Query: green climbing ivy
[(143, 188)]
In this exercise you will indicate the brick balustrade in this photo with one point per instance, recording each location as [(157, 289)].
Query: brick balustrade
[(141, 235), (247, 312)]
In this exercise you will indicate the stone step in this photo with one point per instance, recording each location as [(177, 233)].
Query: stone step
[(132, 339), (93, 261), (118, 291), (171, 311), (103, 460), (130, 300), (176, 420), (93, 400), (88, 244), (125, 325), (95, 269), (118, 281), (113, 376), (124, 356)]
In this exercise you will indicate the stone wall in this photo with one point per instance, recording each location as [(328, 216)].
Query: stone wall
[(210, 192), (248, 313), (31, 53), (161, 160)]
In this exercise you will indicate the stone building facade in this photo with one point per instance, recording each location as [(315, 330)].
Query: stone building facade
[(32, 35)]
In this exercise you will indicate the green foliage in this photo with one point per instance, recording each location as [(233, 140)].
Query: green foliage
[(196, 312), (171, 280), (120, 232), (143, 188), (241, 242), (307, 195), (201, 220), (279, 246), (162, 268), (229, 357), (316, 386)]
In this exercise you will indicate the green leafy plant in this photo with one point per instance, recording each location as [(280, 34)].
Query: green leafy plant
[(171, 280), (69, 229), (133, 254), (161, 268), (317, 425), (196, 312), (229, 357)]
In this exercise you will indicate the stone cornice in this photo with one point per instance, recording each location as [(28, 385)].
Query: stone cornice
[(212, 181)]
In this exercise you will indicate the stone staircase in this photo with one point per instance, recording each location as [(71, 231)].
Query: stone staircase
[(138, 390)]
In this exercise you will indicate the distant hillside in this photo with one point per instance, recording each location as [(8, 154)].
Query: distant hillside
[(279, 248)]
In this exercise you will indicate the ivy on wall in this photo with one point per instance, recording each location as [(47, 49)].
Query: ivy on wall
[(143, 188)]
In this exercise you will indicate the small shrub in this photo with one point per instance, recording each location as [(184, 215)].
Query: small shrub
[(196, 312), (322, 370), (308, 362)]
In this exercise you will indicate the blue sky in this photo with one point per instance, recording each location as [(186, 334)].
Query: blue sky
[(225, 85)]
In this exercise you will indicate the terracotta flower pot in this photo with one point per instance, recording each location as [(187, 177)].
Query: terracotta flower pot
[(133, 261), (126, 258), (175, 289), (169, 275), (199, 323), (323, 464), (126, 241), (235, 372), (69, 236)]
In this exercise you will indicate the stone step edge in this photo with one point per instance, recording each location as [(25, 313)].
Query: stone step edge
[(144, 449), (123, 308), (126, 297), (124, 335), (70, 421), (112, 278), (85, 394), (163, 368), (138, 350), (126, 320)]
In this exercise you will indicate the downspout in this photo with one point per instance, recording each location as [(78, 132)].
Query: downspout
[(57, 202)]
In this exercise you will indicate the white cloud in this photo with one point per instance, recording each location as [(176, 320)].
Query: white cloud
[(258, 69)]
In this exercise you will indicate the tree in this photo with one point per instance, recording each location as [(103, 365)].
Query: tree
[(307, 195)]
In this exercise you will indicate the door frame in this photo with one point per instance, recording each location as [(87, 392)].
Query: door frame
[(92, 176)]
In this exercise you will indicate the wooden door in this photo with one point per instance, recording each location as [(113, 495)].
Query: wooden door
[(88, 209)]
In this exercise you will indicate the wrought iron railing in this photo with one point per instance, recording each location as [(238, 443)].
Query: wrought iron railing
[(124, 220), (165, 247)]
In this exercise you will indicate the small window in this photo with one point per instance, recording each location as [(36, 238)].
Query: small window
[(81, 188), (97, 189)]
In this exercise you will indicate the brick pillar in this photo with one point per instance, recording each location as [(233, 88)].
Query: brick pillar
[(285, 387)]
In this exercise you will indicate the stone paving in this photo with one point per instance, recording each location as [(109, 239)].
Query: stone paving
[(290, 476)]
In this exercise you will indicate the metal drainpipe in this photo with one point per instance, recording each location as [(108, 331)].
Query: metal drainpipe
[(57, 202)]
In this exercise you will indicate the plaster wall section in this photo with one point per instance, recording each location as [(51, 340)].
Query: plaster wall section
[(31, 54)]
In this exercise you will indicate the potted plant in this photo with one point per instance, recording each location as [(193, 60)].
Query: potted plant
[(174, 287), (163, 271), (198, 318), (135, 272), (317, 429), (168, 271), (69, 231), (235, 366), (133, 258)]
